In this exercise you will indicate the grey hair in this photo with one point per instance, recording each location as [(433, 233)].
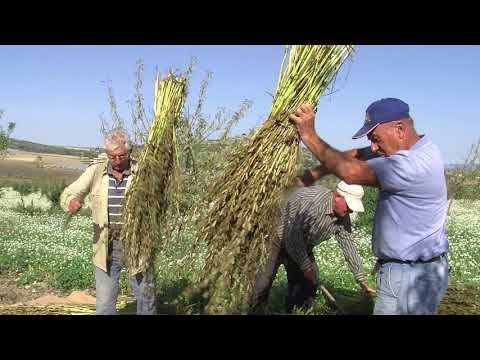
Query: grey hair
[(413, 122), (117, 138)]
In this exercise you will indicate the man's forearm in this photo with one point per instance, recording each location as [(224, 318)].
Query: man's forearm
[(311, 175), (350, 170), (318, 171), (364, 153), (345, 166), (354, 154), (314, 174)]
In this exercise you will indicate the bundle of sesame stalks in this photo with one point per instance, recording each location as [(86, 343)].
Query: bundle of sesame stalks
[(150, 193), (53, 309), (241, 221), (47, 310)]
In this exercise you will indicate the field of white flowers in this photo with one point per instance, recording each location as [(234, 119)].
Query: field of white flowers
[(38, 248), (464, 253)]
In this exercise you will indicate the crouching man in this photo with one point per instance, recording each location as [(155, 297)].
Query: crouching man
[(309, 216)]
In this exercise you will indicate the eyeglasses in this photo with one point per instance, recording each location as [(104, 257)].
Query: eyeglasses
[(119, 157)]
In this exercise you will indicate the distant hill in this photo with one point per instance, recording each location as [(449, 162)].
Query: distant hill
[(52, 149)]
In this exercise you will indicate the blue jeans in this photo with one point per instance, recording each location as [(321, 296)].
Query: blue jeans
[(107, 285), (411, 289)]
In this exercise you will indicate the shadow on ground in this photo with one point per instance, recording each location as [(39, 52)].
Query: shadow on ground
[(170, 300), (347, 302), (460, 299)]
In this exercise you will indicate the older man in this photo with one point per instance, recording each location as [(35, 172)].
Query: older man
[(409, 237), (309, 216), (106, 180)]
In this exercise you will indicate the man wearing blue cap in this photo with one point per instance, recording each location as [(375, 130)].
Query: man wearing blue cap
[(409, 235)]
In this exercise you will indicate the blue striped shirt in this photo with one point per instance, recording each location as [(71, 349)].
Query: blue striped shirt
[(116, 194)]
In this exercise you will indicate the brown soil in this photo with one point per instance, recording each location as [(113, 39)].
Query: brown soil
[(13, 171), (461, 299), (38, 294)]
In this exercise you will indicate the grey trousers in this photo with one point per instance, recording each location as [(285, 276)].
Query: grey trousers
[(107, 285)]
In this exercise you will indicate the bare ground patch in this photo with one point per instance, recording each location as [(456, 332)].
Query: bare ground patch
[(12, 171)]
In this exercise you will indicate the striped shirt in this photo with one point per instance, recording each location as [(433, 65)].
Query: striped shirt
[(307, 219), (116, 194)]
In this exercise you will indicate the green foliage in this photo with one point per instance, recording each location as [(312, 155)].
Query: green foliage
[(369, 200), (28, 209), (306, 158), (69, 278), (28, 276), (329, 181), (52, 191), (25, 188), (464, 184), (5, 135)]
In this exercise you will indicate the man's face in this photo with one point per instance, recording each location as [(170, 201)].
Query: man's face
[(385, 139), (340, 207), (119, 158)]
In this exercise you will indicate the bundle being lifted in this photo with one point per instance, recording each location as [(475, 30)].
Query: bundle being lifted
[(151, 191), (240, 223)]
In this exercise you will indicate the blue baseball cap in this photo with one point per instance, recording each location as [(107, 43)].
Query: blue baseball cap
[(382, 111)]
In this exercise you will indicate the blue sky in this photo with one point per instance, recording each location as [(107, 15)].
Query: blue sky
[(55, 93)]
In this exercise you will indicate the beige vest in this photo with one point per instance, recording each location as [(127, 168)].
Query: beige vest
[(94, 181)]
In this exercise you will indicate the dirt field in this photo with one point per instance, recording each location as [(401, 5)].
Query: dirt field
[(48, 160), (22, 170), (28, 156), (10, 293), (40, 295)]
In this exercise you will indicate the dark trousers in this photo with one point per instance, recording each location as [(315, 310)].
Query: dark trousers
[(301, 292)]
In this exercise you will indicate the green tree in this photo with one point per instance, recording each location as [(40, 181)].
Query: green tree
[(204, 140), (5, 136)]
